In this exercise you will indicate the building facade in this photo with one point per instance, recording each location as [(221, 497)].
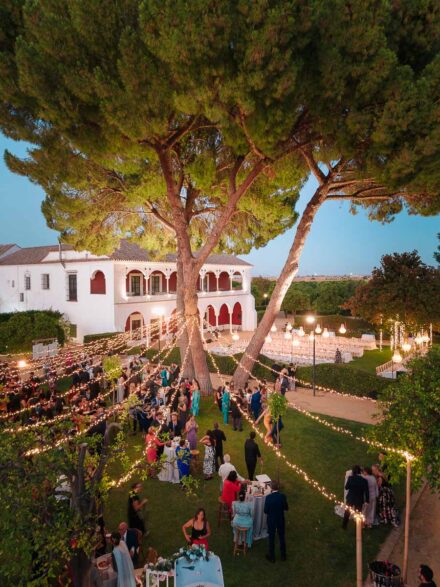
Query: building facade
[(122, 291)]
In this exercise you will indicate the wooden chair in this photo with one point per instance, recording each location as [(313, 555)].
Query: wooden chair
[(223, 512), (241, 536)]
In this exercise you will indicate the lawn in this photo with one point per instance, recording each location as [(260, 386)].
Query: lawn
[(371, 359), (320, 553)]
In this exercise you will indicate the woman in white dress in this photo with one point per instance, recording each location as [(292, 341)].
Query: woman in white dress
[(122, 563)]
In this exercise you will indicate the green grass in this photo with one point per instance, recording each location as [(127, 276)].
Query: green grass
[(320, 553), (371, 359)]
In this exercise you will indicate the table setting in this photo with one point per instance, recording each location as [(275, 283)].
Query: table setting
[(256, 492)]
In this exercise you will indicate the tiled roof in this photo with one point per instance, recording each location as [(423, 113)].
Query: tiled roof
[(126, 252), (30, 255), (5, 248), (131, 252)]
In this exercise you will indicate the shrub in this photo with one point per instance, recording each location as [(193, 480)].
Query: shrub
[(345, 379), (19, 329)]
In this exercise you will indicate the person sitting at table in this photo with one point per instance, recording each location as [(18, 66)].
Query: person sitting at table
[(129, 536), (152, 442), (231, 487), (122, 562), (200, 529), (243, 512), (225, 469), (183, 454)]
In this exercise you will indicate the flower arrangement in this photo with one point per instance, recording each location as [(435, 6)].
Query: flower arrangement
[(191, 553)]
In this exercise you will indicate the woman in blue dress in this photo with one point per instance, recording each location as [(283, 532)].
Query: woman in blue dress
[(165, 377), (226, 400), (183, 455), (195, 397), (243, 513)]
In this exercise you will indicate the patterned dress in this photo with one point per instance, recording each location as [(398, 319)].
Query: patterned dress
[(209, 461)]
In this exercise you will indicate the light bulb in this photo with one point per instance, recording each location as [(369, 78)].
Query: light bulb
[(325, 334), (406, 347), (310, 319), (287, 335), (273, 328), (268, 338), (318, 329), (342, 329), (21, 364), (235, 336), (301, 331), (397, 357), (289, 327)]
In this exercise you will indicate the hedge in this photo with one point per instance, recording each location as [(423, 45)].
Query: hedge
[(92, 337), (345, 379), (19, 329)]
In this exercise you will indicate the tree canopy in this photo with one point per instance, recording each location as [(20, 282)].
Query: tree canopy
[(403, 288), (411, 420)]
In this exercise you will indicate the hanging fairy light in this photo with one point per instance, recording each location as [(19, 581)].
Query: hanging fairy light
[(268, 339), (235, 336), (287, 335), (406, 347), (326, 333), (273, 328), (318, 329), (301, 331)]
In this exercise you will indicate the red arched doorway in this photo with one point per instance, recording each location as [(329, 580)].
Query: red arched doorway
[(97, 283), (236, 314)]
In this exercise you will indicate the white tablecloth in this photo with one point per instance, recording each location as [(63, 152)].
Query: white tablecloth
[(169, 471)]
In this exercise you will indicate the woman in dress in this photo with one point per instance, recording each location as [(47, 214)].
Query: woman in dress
[(231, 487), (226, 401), (209, 460), (122, 562), (183, 455), (182, 409), (135, 505), (151, 443), (200, 529), (267, 421), (243, 512), (191, 432), (195, 397), (386, 502), (218, 397), (165, 377)]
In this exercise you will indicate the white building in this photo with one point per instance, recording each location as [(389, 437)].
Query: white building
[(122, 291)]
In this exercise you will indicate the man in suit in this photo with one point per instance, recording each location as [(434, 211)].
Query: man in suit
[(274, 508), (129, 536), (357, 493), (220, 437), (174, 425), (251, 454)]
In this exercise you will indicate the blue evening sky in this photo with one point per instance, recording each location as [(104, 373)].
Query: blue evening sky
[(339, 243)]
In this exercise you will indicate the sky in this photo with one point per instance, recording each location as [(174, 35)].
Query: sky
[(339, 243)]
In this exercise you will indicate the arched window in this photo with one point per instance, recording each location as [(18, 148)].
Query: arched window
[(97, 283)]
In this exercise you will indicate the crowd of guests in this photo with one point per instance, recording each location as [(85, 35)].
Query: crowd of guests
[(369, 490)]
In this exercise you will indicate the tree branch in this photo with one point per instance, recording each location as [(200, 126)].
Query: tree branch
[(313, 166)]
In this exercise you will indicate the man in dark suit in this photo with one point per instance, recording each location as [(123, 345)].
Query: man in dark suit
[(274, 508), (251, 454), (220, 437), (129, 536), (357, 493)]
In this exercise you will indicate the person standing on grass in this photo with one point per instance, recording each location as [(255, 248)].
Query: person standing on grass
[(357, 493), (426, 576), (251, 455), (274, 508), (220, 437), (236, 407), (226, 402)]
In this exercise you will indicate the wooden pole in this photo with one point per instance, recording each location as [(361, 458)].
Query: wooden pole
[(407, 516), (359, 581)]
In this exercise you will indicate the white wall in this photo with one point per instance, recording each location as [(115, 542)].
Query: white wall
[(92, 313)]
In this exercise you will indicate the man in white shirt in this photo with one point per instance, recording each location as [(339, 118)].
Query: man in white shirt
[(225, 469)]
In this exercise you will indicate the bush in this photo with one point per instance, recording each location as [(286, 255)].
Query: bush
[(19, 329), (92, 337), (345, 379)]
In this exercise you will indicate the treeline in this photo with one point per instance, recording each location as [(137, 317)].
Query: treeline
[(321, 297), (19, 329)]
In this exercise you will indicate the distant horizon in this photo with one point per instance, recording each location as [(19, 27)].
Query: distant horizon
[(339, 242)]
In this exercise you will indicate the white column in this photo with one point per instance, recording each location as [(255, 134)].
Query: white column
[(167, 277)]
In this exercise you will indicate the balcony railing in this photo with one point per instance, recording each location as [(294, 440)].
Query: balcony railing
[(145, 297)]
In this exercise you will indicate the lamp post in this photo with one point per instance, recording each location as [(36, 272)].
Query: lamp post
[(265, 296)]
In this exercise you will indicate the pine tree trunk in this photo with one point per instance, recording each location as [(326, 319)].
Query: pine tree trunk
[(197, 351), (287, 274), (182, 342)]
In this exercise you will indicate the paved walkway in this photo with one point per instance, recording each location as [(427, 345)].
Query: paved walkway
[(330, 404)]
